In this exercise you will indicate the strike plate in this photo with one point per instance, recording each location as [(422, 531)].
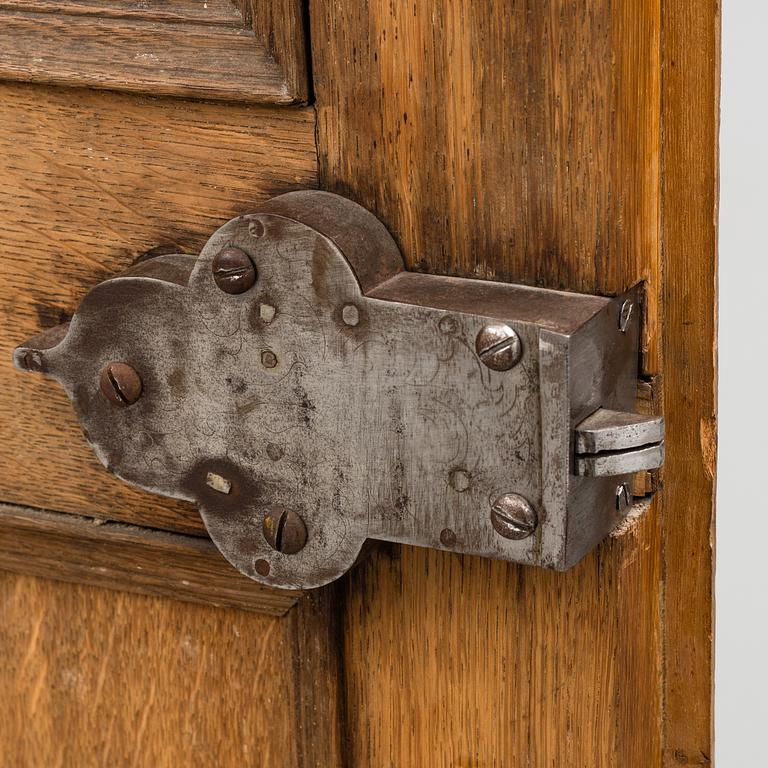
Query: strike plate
[(308, 393)]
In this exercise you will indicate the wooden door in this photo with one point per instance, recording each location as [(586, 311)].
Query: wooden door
[(560, 143)]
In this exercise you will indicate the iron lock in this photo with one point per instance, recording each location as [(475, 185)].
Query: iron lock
[(309, 393)]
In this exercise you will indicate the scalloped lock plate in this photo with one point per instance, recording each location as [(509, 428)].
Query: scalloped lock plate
[(376, 418)]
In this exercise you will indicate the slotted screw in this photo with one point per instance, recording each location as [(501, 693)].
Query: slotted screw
[(498, 346), (284, 531), (233, 270), (120, 384), (513, 517)]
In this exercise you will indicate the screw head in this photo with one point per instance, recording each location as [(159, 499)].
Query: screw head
[(233, 270), (623, 498), (268, 358), (447, 538), (32, 360), (625, 313), (513, 517), (498, 346), (120, 384), (284, 531)]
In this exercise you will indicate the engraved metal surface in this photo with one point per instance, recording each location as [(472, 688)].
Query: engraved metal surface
[(343, 398)]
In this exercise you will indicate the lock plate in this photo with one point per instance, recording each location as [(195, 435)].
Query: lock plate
[(341, 398)]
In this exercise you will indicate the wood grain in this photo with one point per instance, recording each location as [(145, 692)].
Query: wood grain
[(515, 141), (281, 26), (500, 140), (649, 402), (125, 557), (690, 201), (509, 140), (203, 50), (209, 12), (455, 660), (95, 678), (90, 181)]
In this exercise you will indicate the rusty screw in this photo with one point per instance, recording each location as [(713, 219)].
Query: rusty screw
[(498, 346), (268, 358), (513, 517), (33, 360), (285, 531), (120, 384), (233, 270)]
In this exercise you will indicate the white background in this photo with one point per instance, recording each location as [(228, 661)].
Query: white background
[(741, 648)]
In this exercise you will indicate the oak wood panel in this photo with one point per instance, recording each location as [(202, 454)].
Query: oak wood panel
[(506, 140), (459, 661), (208, 12), (690, 202), (125, 557), (92, 180), (95, 678), (256, 54), (517, 141), (281, 25)]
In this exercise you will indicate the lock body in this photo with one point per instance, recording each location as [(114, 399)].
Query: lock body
[(308, 393)]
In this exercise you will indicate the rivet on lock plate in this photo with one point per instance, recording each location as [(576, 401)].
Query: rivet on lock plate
[(308, 393)]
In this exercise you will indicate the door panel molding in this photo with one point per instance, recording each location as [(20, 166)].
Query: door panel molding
[(252, 52), (128, 558)]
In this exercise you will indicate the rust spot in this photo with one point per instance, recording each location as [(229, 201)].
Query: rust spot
[(448, 325), (459, 479), (176, 382), (274, 451), (268, 359), (241, 487)]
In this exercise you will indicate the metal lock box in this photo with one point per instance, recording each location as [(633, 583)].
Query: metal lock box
[(308, 393)]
